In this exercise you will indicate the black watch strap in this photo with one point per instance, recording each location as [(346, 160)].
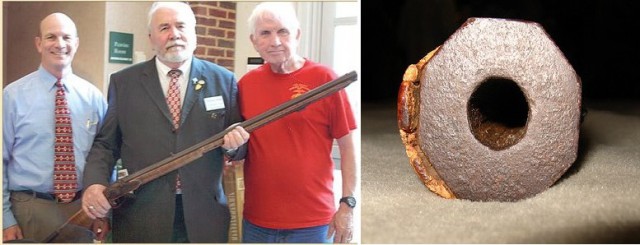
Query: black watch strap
[(231, 153), (350, 201)]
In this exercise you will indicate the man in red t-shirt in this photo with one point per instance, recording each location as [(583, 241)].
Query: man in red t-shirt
[(288, 169)]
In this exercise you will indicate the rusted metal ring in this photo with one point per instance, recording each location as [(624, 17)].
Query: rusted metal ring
[(464, 137)]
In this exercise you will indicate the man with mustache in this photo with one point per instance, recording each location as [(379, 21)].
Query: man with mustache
[(145, 125), (31, 208)]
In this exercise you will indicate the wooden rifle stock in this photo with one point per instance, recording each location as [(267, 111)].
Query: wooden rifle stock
[(124, 186)]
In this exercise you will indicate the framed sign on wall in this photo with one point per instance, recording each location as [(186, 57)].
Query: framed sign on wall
[(120, 47)]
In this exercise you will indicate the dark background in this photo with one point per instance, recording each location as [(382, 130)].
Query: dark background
[(598, 37)]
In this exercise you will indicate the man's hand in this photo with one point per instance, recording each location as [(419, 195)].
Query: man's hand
[(94, 203), (235, 138), (12, 233), (342, 225)]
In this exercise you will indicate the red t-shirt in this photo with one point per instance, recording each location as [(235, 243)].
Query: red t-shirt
[(288, 170)]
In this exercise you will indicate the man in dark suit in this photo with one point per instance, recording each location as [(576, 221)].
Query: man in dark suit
[(187, 205)]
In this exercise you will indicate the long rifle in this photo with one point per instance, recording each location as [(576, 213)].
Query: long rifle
[(124, 186)]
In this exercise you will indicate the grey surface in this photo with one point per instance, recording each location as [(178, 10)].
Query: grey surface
[(521, 52), (596, 201)]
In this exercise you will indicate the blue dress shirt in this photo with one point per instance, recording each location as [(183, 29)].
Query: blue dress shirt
[(28, 131)]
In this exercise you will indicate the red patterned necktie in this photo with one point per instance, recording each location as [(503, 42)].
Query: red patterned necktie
[(173, 101), (65, 184), (173, 97)]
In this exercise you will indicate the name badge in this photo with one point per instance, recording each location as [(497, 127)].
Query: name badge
[(213, 103)]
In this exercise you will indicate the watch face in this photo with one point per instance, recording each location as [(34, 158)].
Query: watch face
[(350, 201)]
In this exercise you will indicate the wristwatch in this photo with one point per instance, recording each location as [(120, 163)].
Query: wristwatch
[(231, 152), (350, 201)]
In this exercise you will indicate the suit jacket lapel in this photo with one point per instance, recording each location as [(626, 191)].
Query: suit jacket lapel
[(192, 96), (152, 85)]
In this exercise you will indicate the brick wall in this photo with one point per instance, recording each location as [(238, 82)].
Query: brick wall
[(216, 31)]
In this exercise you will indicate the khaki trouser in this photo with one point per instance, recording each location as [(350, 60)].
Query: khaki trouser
[(38, 218)]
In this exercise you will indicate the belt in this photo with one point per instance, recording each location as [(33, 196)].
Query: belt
[(48, 196)]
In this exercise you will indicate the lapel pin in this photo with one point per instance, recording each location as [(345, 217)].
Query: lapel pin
[(198, 83)]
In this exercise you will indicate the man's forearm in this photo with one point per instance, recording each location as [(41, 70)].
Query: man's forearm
[(348, 165)]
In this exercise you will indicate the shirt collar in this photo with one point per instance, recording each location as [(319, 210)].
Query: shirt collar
[(50, 80), (164, 69)]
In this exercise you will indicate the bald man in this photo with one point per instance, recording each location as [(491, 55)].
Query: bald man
[(31, 211)]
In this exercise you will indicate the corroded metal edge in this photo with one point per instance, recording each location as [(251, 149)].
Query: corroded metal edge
[(408, 117)]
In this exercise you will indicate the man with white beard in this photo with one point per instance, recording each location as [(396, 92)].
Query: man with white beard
[(157, 108)]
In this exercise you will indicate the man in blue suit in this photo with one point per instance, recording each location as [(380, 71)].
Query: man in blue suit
[(187, 205)]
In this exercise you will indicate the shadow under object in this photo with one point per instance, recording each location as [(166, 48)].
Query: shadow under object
[(493, 114)]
